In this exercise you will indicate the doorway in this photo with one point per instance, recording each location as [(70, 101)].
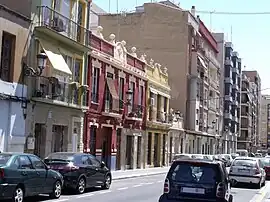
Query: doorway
[(118, 147), (163, 149), (58, 138), (93, 137), (156, 163), (149, 149), (106, 146), (129, 152), (139, 151), (40, 134)]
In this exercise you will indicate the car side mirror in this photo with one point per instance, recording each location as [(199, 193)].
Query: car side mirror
[(102, 164)]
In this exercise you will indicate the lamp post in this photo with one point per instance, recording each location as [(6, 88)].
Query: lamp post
[(41, 61)]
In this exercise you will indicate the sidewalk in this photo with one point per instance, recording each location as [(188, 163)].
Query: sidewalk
[(125, 174)]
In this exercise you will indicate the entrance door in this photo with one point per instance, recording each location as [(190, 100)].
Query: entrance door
[(106, 146), (139, 151), (129, 152), (156, 164), (118, 147)]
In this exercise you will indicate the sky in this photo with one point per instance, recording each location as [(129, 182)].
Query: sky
[(250, 34)]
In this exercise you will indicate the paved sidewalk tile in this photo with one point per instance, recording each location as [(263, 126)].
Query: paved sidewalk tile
[(124, 174)]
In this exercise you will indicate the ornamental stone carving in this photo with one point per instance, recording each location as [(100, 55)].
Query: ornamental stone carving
[(99, 32), (112, 38), (143, 57), (133, 51)]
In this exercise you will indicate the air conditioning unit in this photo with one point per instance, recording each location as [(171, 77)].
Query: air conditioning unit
[(152, 101), (58, 24)]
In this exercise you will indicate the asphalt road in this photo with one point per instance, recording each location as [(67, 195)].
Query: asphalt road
[(148, 189)]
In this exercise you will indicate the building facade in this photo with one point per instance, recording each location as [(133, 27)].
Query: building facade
[(173, 41), (55, 116), (250, 111), (115, 122), (232, 98), (14, 33), (264, 123), (158, 114)]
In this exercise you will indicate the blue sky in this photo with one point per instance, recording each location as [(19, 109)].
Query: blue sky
[(250, 33)]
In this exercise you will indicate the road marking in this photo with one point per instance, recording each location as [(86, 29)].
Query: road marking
[(148, 183), (123, 188), (259, 196), (59, 200), (104, 192), (85, 195), (159, 181), (138, 185)]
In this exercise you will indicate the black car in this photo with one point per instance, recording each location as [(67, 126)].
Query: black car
[(23, 175), (196, 180), (80, 170)]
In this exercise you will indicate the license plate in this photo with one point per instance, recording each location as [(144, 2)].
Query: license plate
[(190, 190), (243, 171)]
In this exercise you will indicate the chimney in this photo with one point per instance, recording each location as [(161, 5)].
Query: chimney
[(193, 11)]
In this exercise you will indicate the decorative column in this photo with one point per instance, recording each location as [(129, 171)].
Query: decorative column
[(135, 151), (152, 149), (48, 137), (123, 149)]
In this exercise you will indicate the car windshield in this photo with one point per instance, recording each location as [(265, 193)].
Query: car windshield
[(4, 158), (60, 156), (266, 162), (244, 162), (201, 173)]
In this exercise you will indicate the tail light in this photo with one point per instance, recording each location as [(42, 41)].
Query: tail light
[(69, 167), (257, 170), (166, 188), (220, 190), (2, 173)]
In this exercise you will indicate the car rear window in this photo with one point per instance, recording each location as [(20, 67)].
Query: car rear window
[(189, 172), (244, 162), (61, 156), (4, 158), (181, 156), (266, 162)]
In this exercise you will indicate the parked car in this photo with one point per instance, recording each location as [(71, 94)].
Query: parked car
[(181, 156), (247, 170), (196, 180), (80, 170), (227, 158), (23, 175), (266, 166)]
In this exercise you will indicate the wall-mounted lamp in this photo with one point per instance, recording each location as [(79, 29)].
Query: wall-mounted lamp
[(129, 94), (41, 60)]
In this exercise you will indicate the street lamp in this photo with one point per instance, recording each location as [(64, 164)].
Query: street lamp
[(41, 61), (129, 94)]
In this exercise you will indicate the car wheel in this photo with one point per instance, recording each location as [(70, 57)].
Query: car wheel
[(57, 190), (18, 195), (259, 185), (107, 182), (81, 185), (231, 198)]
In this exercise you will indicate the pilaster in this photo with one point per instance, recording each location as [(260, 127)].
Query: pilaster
[(152, 149), (135, 152), (123, 149)]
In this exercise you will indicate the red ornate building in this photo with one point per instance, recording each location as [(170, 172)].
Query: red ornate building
[(114, 124)]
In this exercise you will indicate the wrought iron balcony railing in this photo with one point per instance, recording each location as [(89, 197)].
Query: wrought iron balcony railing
[(56, 21), (136, 111), (55, 90)]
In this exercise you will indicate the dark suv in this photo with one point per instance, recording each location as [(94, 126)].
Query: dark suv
[(196, 180)]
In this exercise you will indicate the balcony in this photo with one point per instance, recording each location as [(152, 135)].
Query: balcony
[(236, 87), (53, 91), (135, 113), (162, 117), (228, 80), (61, 29), (228, 115), (112, 108), (228, 98)]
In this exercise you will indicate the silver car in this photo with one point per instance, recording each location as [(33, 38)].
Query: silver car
[(247, 170)]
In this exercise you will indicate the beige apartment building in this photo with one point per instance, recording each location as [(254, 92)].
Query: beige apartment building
[(265, 121), (179, 39), (250, 111)]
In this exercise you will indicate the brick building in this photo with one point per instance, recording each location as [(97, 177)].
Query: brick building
[(115, 122)]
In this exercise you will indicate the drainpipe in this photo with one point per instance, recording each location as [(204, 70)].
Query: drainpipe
[(84, 135)]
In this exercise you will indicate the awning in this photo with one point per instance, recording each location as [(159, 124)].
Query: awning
[(56, 59), (114, 94), (202, 62)]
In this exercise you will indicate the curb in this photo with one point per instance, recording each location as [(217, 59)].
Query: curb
[(139, 175)]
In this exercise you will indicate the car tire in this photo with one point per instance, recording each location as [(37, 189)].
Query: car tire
[(107, 182), (18, 195), (259, 185), (231, 198), (57, 190), (81, 186)]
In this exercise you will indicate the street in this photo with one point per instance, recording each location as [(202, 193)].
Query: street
[(148, 189)]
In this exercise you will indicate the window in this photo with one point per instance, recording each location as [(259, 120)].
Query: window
[(95, 84), (4, 158), (94, 161), (77, 78), (7, 56), (165, 104), (121, 92), (85, 160), (141, 91), (25, 163), (37, 163), (132, 87), (109, 75)]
